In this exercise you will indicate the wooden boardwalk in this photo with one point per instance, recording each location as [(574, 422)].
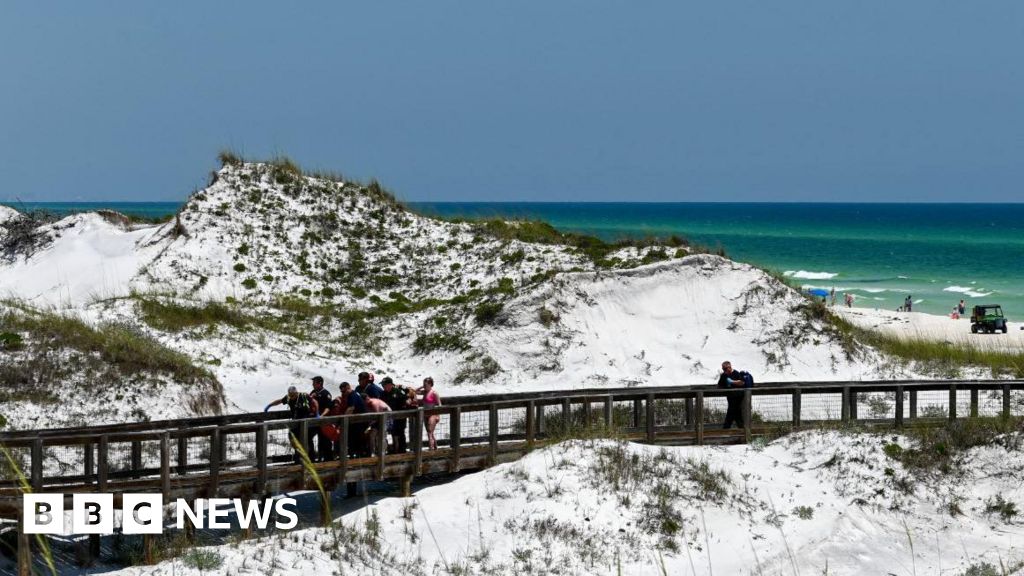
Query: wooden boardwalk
[(249, 455)]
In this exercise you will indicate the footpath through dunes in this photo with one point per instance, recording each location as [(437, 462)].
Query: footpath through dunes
[(249, 456), (270, 276)]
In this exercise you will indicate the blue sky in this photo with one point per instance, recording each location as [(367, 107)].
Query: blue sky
[(547, 100)]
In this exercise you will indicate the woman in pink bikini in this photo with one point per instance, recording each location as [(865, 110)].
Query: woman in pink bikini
[(431, 399)]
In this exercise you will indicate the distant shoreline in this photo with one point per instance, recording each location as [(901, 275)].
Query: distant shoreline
[(881, 253)]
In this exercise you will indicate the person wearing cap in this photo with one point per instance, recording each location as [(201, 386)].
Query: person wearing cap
[(353, 403), (324, 446), (397, 398), (367, 387), (301, 406)]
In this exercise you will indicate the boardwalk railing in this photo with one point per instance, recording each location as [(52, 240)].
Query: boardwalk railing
[(250, 455)]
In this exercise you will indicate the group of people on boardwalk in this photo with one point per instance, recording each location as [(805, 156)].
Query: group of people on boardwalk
[(367, 397)]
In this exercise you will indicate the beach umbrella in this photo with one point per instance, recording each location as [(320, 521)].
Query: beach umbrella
[(818, 292)]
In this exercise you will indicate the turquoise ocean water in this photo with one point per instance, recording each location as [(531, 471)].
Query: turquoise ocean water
[(936, 253)]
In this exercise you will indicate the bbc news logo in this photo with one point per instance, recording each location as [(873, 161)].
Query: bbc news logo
[(143, 513)]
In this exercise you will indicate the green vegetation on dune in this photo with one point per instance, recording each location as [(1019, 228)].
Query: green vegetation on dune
[(120, 345)]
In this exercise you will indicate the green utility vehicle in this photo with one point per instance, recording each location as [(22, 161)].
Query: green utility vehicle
[(988, 318)]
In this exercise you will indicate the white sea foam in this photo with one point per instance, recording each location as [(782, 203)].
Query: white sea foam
[(966, 291), (810, 275), (874, 290)]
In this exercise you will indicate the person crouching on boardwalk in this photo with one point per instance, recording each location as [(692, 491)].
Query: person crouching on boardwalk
[(376, 406), (301, 406)]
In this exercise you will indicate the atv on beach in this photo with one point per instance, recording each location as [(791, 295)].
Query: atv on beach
[(988, 318)]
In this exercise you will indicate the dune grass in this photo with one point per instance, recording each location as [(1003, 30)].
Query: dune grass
[(120, 345)]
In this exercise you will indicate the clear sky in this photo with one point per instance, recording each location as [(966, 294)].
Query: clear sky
[(525, 100)]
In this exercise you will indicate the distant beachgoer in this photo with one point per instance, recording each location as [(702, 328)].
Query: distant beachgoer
[(431, 399), (955, 315), (832, 296), (908, 304), (961, 308), (732, 379), (848, 298)]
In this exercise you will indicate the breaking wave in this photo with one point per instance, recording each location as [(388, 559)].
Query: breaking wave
[(967, 291), (810, 275)]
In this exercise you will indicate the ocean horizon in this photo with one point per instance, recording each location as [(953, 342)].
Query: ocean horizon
[(879, 252)]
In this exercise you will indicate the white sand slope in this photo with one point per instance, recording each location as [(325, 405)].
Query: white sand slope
[(89, 258), (811, 503)]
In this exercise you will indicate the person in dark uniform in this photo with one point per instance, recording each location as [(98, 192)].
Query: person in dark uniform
[(324, 446), (354, 404), (733, 380), (301, 406), (397, 398)]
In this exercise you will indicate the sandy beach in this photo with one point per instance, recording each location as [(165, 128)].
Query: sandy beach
[(934, 327)]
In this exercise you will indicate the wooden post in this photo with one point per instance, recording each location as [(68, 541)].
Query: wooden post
[(586, 413), (530, 423), (650, 421), (853, 404), (101, 463), (147, 549), (796, 408), (492, 434), (899, 406), (913, 404), (417, 441), (699, 414), (214, 462), (165, 465), (455, 430), (406, 486), (688, 414), (845, 408), (952, 402), (382, 443), (609, 414), (304, 437), (136, 459), (540, 420), (1006, 401), (974, 403), (94, 547), (90, 462), (37, 464), (182, 453), (747, 413), (24, 549), (566, 416), (343, 447), (636, 412), (262, 434)]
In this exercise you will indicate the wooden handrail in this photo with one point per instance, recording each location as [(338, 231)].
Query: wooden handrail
[(473, 432)]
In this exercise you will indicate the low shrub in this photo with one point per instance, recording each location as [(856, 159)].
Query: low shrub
[(487, 312)]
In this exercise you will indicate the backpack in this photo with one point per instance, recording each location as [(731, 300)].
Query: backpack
[(748, 379)]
